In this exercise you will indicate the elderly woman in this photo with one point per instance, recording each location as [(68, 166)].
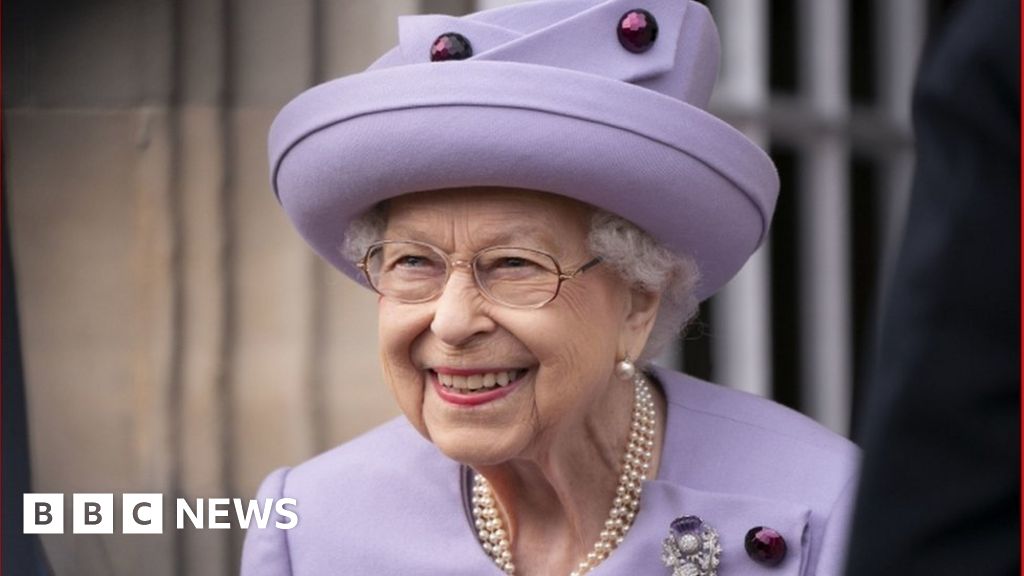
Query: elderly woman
[(540, 200)]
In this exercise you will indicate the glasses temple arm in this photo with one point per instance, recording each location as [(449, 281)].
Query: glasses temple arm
[(582, 269)]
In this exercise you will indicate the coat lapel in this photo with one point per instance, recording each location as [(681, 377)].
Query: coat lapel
[(731, 515)]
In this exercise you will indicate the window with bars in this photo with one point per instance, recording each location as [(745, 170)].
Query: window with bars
[(834, 113), (824, 86)]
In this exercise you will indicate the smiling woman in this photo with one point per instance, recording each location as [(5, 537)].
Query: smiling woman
[(528, 270), (558, 424), (558, 354)]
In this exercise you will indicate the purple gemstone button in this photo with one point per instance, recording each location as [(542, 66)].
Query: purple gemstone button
[(686, 525), (450, 46), (765, 546), (637, 31)]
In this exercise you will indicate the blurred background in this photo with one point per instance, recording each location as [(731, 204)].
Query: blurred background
[(179, 337)]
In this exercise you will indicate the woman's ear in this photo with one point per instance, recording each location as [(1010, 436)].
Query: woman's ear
[(640, 316)]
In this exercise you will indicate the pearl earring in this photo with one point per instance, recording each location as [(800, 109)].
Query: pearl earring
[(625, 369)]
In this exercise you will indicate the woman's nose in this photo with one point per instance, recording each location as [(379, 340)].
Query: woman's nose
[(459, 312)]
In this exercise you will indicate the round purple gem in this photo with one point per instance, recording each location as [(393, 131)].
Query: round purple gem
[(450, 46), (686, 525), (637, 31), (765, 546)]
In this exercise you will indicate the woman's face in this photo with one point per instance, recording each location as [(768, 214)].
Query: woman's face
[(558, 359)]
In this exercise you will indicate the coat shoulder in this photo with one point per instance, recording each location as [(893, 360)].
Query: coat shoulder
[(735, 408), (358, 504), (727, 440), (388, 449)]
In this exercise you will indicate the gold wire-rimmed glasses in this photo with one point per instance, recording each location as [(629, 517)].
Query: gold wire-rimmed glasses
[(412, 272)]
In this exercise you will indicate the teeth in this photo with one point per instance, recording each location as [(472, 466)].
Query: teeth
[(485, 381)]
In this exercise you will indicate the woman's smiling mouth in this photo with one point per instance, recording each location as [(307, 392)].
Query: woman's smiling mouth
[(474, 387)]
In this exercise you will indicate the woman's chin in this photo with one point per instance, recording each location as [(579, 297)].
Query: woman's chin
[(478, 451)]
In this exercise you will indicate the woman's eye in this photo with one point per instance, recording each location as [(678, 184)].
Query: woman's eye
[(509, 264), (513, 262), (409, 264), (411, 261)]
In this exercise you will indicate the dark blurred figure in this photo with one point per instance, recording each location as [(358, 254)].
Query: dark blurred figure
[(22, 554), (941, 479)]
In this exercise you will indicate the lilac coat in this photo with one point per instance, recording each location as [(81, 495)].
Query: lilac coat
[(389, 503)]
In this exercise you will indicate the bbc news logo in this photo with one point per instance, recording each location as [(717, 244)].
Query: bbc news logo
[(144, 513)]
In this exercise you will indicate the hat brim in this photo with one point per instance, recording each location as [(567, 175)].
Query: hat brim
[(690, 180)]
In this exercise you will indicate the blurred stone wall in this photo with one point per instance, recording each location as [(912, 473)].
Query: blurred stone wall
[(179, 337)]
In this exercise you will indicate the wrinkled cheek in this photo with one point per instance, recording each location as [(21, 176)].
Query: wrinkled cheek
[(569, 384), (396, 367), (406, 385), (398, 333)]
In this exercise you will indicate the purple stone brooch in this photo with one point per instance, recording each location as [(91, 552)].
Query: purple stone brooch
[(692, 548), (765, 546), (637, 31), (450, 46)]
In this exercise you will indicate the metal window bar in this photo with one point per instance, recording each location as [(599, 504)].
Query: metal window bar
[(741, 342)]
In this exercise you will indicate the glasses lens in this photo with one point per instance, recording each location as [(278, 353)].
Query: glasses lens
[(406, 271), (517, 276)]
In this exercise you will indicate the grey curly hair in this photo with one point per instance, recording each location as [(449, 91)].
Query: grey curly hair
[(637, 258)]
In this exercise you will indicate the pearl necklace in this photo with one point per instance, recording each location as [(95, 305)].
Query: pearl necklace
[(494, 538)]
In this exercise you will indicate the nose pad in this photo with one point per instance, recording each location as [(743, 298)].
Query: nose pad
[(460, 310)]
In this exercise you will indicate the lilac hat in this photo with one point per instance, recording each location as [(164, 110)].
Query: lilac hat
[(601, 101)]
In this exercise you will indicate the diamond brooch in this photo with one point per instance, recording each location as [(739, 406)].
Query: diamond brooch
[(691, 548)]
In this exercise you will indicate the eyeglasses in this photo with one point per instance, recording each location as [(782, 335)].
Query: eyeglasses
[(412, 272)]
